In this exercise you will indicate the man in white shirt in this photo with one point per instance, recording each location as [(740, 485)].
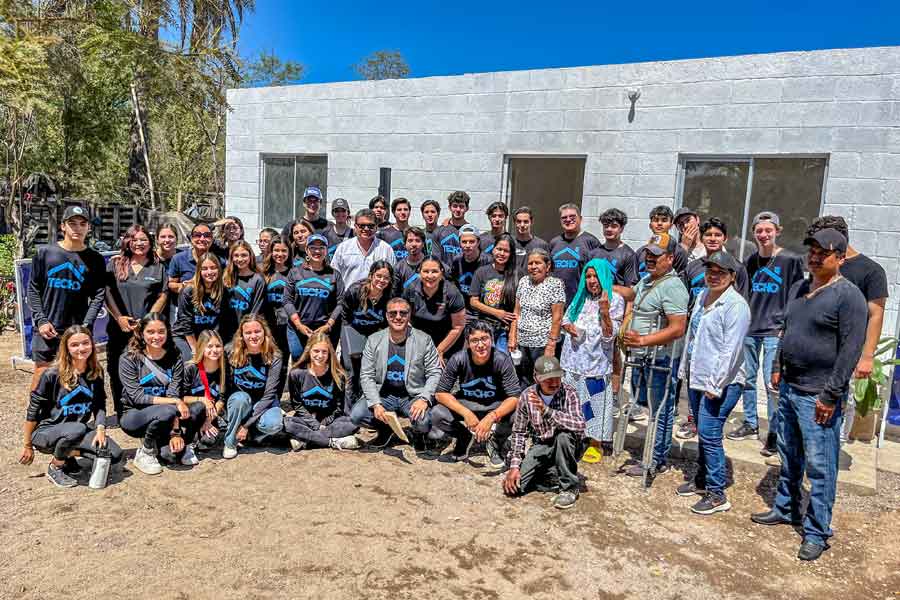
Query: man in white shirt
[(355, 256)]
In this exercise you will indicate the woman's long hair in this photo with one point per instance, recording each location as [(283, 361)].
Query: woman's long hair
[(138, 347), (231, 270), (510, 273), (200, 292), (366, 287), (337, 371), (268, 266), (297, 250), (66, 364), (239, 352), (203, 340), (126, 256)]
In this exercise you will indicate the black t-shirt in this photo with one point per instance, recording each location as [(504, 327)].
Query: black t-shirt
[(694, 278), (366, 320), (487, 286), (316, 395), (679, 264), (140, 383), (867, 275), (334, 238), (621, 259), (313, 295), (52, 404), (569, 258), (462, 272), (405, 275), (66, 288), (394, 238), (394, 385), (137, 294), (258, 379), (523, 248), (273, 304), (193, 384), (245, 298), (447, 237), (487, 240), (191, 320), (487, 385), (433, 315), (771, 279), (319, 224)]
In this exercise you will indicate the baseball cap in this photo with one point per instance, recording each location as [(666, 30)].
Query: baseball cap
[(547, 367), (313, 191), (721, 259), (660, 244), (74, 211), (468, 228), (684, 211), (316, 237), (766, 215), (829, 239), (340, 203)]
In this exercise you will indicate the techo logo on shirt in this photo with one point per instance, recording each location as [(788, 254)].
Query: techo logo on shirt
[(560, 262), (250, 377), (154, 390), (73, 280), (76, 408), (368, 317), (275, 291), (318, 396), (772, 286), (243, 302), (483, 387), (304, 289), (450, 244), (395, 375)]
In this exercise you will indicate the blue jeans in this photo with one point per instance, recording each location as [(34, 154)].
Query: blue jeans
[(752, 346), (675, 384), (502, 342), (657, 381), (710, 415), (294, 343), (239, 407), (807, 446), (361, 414)]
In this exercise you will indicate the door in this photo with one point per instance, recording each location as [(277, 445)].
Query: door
[(544, 184)]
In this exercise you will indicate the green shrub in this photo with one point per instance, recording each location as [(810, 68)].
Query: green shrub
[(7, 256)]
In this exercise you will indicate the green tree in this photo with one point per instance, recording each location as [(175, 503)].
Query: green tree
[(269, 70), (383, 64)]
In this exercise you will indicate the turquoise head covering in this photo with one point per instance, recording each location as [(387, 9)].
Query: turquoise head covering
[(604, 274)]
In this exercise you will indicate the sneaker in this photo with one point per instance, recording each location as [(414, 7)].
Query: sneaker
[(58, 478), (773, 461), (638, 415), (767, 451), (494, 452), (637, 470), (687, 431), (344, 443), (145, 461), (565, 500), (460, 452), (711, 504), (384, 437), (71, 467), (298, 445), (607, 448), (689, 488), (744, 432), (188, 457), (229, 452)]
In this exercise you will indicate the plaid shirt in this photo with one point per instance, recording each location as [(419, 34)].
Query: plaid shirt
[(563, 414)]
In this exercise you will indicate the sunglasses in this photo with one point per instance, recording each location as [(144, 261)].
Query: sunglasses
[(205, 236), (398, 313), (366, 226)]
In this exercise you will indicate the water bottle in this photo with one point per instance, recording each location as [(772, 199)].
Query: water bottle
[(100, 472), (516, 356)]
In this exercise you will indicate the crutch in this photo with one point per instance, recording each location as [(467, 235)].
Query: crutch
[(625, 405)]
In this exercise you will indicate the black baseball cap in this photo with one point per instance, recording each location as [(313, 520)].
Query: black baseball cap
[(828, 239), (721, 259), (684, 211), (340, 203), (75, 211)]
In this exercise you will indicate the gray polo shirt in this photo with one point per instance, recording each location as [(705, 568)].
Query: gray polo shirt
[(655, 300)]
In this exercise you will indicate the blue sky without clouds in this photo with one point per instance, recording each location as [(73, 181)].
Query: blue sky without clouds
[(449, 38)]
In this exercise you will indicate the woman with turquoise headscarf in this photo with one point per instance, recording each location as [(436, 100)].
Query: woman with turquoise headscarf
[(592, 322)]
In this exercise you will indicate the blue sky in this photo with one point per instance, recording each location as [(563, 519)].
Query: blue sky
[(447, 38)]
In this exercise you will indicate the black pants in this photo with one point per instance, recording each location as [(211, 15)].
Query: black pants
[(551, 462), (154, 423), (525, 370), (117, 342), (60, 439), (444, 419), (308, 429)]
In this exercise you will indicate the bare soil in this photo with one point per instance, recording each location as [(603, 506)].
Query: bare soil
[(328, 524)]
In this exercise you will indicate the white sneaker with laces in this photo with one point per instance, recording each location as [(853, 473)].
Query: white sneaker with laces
[(229, 452), (145, 461), (188, 457), (345, 443)]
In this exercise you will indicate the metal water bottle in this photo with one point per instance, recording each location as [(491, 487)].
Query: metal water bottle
[(100, 472)]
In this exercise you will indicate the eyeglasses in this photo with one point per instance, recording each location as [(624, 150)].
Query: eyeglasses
[(569, 218), (398, 313), (366, 226), (201, 235), (480, 341)]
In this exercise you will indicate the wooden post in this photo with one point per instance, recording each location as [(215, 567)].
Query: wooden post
[(140, 124)]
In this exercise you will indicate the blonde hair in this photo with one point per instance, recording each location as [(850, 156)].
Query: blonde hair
[(199, 285), (203, 340), (239, 353), (231, 270), (337, 371), (66, 364)]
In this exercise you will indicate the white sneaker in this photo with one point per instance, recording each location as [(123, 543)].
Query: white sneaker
[(297, 445), (145, 462), (345, 443), (188, 457), (229, 452)]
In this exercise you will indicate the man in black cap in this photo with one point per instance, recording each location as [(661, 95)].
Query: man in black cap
[(822, 339), (687, 221), (339, 229), (66, 288), (312, 202), (551, 413)]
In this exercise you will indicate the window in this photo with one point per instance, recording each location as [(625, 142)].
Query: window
[(736, 189), (531, 181), (285, 178)]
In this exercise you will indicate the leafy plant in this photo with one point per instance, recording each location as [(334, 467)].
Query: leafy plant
[(867, 392), (7, 256)]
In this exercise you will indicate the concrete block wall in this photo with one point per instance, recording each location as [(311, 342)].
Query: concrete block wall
[(438, 134)]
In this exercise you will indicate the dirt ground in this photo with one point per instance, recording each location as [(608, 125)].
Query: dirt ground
[(326, 524)]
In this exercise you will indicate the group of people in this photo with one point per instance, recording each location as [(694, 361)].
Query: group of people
[(497, 338)]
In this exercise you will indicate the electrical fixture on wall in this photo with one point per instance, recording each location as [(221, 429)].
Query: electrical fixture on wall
[(633, 96)]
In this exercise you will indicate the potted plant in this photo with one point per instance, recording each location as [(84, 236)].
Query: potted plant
[(868, 391)]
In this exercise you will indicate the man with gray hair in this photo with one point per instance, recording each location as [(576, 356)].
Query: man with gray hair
[(571, 249), (354, 257)]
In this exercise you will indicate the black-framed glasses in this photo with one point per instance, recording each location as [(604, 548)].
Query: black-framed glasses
[(397, 313), (569, 218)]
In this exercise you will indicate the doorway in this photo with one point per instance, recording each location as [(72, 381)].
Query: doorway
[(543, 183)]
